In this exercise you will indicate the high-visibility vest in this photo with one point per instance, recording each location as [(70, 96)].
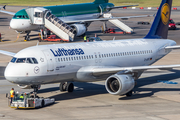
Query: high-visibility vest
[(21, 97), (12, 93), (85, 38)]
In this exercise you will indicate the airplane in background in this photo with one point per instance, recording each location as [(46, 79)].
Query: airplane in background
[(77, 16), (120, 62)]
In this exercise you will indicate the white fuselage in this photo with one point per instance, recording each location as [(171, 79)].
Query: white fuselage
[(62, 62)]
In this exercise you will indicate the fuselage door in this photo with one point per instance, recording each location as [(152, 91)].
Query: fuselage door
[(50, 63)]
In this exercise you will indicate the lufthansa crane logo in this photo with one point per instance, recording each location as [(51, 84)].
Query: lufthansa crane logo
[(165, 14), (36, 70)]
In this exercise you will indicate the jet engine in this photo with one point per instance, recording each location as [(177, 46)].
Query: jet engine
[(28, 86), (79, 29), (119, 84)]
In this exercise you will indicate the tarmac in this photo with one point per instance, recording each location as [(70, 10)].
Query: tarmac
[(153, 99)]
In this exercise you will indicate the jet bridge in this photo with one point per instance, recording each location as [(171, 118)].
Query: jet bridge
[(41, 16)]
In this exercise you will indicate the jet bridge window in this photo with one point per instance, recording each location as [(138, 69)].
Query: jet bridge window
[(38, 14)]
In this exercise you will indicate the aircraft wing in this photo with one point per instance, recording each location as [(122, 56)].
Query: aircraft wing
[(7, 53), (106, 19), (110, 8), (7, 12), (98, 71)]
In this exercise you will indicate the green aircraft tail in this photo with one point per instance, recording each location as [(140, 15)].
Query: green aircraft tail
[(101, 1)]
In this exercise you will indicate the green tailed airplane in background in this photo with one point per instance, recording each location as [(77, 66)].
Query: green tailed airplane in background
[(77, 17)]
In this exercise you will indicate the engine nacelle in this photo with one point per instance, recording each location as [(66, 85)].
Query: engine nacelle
[(79, 29), (28, 86), (119, 84)]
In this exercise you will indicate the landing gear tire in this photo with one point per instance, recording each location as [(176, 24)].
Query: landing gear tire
[(66, 86), (129, 94), (70, 87), (62, 86)]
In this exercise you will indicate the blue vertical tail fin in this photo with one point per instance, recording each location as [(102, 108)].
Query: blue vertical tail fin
[(159, 28)]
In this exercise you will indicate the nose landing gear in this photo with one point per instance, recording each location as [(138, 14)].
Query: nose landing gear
[(35, 87), (27, 38)]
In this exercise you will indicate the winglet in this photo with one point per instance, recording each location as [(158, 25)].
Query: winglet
[(4, 7)]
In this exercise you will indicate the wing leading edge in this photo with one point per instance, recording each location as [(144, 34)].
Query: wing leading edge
[(106, 19), (7, 12), (97, 71), (7, 53)]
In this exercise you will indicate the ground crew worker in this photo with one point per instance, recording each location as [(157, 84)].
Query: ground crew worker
[(12, 93), (22, 96), (85, 38)]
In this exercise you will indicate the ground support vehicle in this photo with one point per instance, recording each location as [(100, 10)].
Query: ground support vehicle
[(27, 100), (172, 25)]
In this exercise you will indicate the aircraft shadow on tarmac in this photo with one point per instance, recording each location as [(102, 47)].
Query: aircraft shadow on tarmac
[(83, 90), (152, 80), (90, 89)]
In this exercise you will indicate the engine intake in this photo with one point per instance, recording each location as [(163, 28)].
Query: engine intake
[(119, 84), (79, 29)]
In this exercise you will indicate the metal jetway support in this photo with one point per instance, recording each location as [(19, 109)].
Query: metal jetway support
[(119, 24), (41, 16)]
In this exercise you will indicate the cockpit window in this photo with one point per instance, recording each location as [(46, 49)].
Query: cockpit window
[(29, 60), (21, 60), (13, 60), (25, 60), (19, 16), (27, 17), (35, 61), (22, 14)]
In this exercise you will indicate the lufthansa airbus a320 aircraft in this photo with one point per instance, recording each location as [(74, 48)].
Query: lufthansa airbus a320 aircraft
[(120, 62)]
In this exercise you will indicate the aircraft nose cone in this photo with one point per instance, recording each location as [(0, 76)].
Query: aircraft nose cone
[(10, 74), (13, 24)]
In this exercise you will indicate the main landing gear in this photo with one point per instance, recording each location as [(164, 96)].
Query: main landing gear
[(129, 94), (66, 86)]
